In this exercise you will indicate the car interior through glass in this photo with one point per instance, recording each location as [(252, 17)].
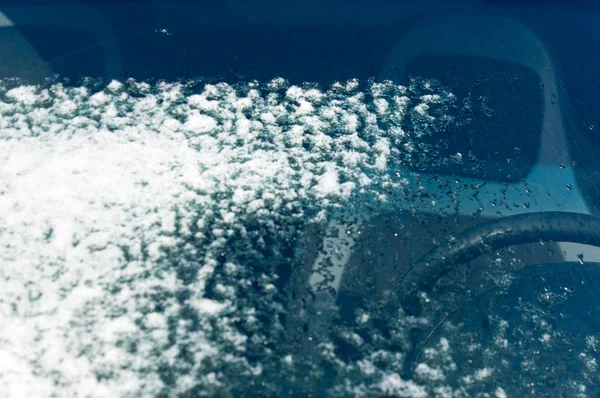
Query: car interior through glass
[(316, 198)]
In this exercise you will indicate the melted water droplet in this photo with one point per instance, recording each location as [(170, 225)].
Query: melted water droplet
[(580, 257), (487, 112), (569, 186), (591, 127), (34, 295)]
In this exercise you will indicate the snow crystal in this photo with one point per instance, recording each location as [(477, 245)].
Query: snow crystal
[(425, 371), (209, 306), (24, 94), (484, 373), (115, 85), (500, 393), (444, 344), (394, 385)]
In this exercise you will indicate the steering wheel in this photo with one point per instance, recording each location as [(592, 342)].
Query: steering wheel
[(490, 236), (482, 239)]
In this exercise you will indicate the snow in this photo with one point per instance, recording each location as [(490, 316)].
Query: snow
[(425, 371), (198, 123), (394, 385), (211, 307), (114, 85), (484, 373), (118, 210), (24, 94)]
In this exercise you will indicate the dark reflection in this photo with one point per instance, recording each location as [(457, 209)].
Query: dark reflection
[(68, 52), (321, 54), (392, 244), (505, 104), (542, 331)]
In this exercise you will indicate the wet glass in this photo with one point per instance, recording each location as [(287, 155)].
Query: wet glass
[(355, 198)]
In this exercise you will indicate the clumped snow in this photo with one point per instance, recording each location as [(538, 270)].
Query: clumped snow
[(142, 224)]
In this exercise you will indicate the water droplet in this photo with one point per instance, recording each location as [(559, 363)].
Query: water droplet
[(487, 111), (34, 295), (569, 186), (562, 166), (580, 257), (164, 31), (591, 127)]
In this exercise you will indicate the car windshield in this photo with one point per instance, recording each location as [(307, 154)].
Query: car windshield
[(299, 198)]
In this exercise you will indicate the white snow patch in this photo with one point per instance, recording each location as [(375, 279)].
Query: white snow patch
[(500, 393), (24, 94), (425, 371), (98, 190), (199, 123), (393, 384), (211, 307)]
